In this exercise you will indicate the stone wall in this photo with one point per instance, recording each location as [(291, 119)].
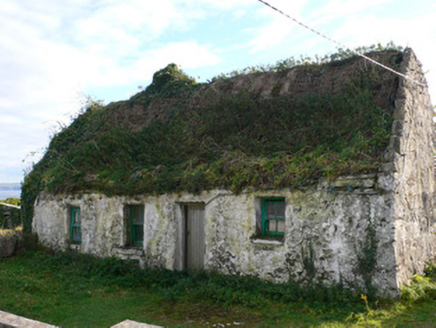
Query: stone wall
[(410, 154), (326, 229), (9, 320)]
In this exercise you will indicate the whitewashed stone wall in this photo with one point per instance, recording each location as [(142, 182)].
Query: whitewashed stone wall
[(411, 159), (325, 227)]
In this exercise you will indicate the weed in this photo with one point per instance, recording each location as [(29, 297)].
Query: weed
[(308, 256), (316, 62), (430, 269), (367, 256), (419, 288)]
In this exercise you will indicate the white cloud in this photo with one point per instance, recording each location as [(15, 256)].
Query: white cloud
[(128, 23), (106, 47), (280, 26), (341, 9), (52, 50), (221, 4), (415, 31), (185, 54), (353, 24)]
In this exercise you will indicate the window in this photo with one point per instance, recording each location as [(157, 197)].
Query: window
[(134, 225), (75, 225), (273, 217)]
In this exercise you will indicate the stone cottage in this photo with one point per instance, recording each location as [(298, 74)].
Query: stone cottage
[(316, 172)]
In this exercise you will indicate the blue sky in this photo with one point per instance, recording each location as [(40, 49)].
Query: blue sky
[(55, 53)]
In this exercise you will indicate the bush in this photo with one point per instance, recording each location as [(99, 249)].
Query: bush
[(10, 218)]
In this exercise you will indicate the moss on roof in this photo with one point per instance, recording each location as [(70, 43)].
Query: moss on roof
[(275, 129)]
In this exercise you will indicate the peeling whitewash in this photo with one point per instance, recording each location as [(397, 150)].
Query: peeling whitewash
[(325, 226), (330, 222)]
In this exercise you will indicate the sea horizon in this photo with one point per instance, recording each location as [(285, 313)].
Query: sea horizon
[(8, 190)]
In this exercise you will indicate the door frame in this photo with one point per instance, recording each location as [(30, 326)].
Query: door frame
[(184, 230)]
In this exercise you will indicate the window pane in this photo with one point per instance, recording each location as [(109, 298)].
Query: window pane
[(281, 226), (75, 232), (77, 236), (270, 209), (136, 225), (273, 216), (281, 210), (272, 226), (138, 234), (137, 214), (76, 217)]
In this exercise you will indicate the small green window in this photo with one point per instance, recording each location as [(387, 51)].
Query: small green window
[(75, 225), (273, 217), (136, 225)]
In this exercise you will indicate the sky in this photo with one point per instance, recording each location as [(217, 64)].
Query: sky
[(55, 54)]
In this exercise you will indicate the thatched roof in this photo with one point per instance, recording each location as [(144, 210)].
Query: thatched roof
[(295, 82), (282, 128)]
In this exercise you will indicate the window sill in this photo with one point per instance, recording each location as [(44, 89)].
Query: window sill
[(75, 246), (130, 251), (268, 242)]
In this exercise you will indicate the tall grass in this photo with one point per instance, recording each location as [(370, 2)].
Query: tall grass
[(75, 290)]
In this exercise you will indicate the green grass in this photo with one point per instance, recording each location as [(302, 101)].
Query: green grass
[(74, 290)]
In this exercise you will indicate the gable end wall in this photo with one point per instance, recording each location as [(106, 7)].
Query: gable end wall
[(411, 155)]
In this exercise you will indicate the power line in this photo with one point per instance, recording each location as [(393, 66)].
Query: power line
[(341, 45)]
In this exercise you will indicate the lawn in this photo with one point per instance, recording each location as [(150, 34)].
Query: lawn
[(72, 290)]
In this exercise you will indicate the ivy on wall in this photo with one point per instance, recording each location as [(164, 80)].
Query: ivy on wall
[(10, 218)]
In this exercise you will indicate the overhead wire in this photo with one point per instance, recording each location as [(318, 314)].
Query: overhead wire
[(340, 44)]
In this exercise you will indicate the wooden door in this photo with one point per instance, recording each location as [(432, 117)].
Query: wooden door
[(194, 236)]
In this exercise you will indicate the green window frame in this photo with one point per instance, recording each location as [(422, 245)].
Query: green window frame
[(75, 225), (136, 225), (273, 217)]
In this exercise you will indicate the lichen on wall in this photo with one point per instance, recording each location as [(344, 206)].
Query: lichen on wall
[(324, 231)]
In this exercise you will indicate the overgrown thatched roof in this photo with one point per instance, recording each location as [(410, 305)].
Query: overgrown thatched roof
[(281, 128)]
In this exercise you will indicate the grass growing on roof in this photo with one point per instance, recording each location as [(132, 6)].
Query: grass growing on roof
[(238, 142)]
